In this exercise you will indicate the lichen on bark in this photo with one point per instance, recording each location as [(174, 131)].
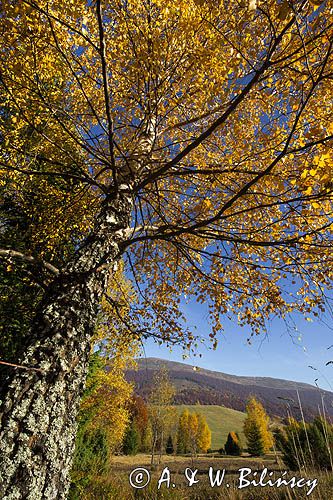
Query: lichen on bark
[(38, 412)]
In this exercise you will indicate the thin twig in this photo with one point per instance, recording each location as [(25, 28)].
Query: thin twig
[(22, 367)]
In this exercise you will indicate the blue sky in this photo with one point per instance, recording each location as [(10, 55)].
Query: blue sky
[(276, 355)]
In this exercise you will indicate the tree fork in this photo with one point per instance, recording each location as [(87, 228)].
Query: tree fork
[(38, 412)]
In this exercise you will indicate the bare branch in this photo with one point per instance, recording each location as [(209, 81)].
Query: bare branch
[(65, 175), (13, 254), (106, 89), (21, 366)]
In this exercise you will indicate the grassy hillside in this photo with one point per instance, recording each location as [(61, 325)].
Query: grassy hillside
[(221, 421)]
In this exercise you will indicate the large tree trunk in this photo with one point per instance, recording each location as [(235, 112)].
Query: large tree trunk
[(38, 413)]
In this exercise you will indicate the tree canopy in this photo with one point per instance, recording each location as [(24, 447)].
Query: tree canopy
[(219, 120)]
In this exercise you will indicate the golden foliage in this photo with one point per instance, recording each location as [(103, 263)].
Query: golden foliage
[(204, 437), (193, 433), (228, 112), (108, 397), (256, 415)]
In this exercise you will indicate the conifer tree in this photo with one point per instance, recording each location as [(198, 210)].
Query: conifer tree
[(306, 445), (256, 415), (232, 445), (169, 446), (193, 426), (131, 440), (182, 433), (255, 443)]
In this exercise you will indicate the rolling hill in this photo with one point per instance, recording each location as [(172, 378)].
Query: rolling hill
[(206, 387), (221, 421)]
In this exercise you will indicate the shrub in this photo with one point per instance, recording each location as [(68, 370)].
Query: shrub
[(90, 459)]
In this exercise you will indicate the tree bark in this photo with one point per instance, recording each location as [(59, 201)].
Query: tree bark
[(38, 412)]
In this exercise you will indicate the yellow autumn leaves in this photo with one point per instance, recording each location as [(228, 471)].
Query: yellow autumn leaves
[(177, 67)]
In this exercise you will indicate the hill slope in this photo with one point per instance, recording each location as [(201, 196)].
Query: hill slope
[(221, 421), (207, 387)]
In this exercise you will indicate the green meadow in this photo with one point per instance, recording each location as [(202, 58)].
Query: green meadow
[(221, 421)]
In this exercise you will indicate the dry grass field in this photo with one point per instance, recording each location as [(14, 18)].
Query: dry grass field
[(116, 484)]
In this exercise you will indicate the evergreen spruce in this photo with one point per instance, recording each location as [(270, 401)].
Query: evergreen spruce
[(232, 445), (255, 445), (131, 440), (306, 445), (182, 433), (169, 446)]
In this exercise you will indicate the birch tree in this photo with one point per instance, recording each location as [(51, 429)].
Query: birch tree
[(191, 139)]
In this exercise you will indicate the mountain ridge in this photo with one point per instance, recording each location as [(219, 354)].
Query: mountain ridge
[(226, 376), (195, 385)]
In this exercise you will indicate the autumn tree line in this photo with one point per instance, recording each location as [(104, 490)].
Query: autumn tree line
[(188, 432)]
